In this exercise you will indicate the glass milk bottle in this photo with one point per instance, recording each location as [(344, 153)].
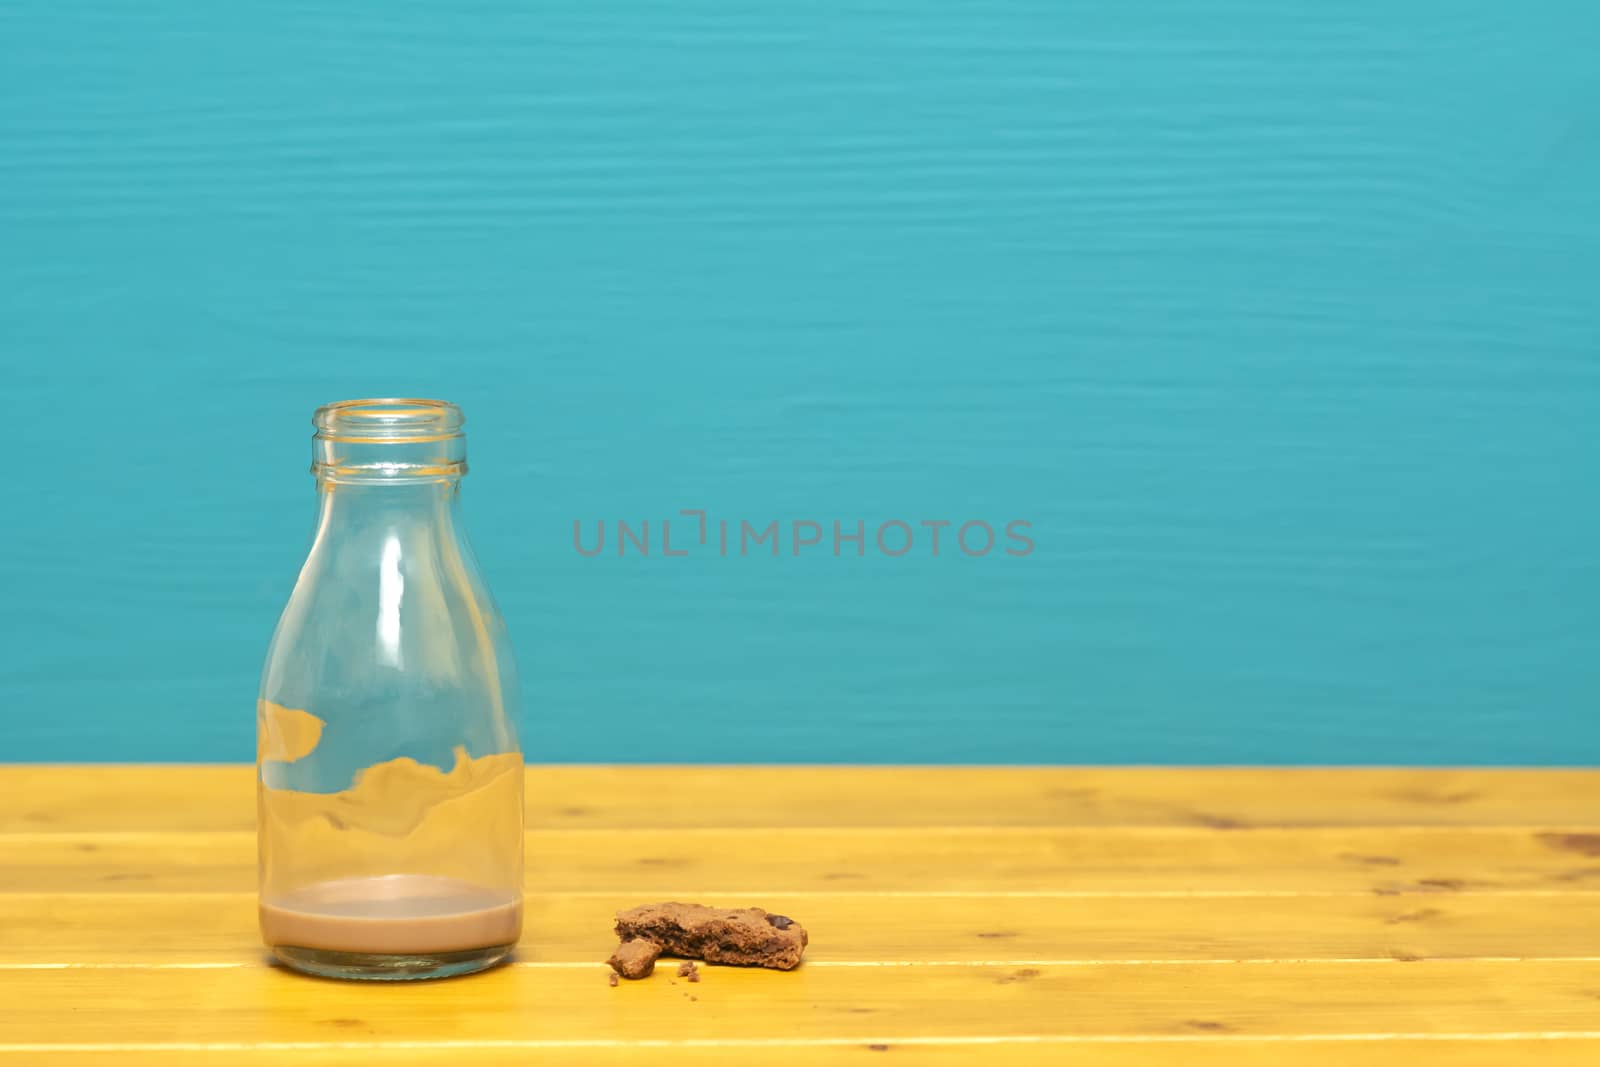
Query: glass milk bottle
[(390, 781)]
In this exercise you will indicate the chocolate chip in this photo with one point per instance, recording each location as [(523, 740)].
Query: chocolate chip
[(782, 922)]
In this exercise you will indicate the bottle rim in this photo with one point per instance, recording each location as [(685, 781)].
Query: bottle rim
[(388, 420)]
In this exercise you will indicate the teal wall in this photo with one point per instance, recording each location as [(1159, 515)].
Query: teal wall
[(1278, 319)]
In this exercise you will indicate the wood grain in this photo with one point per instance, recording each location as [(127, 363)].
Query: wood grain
[(262, 1004), (1111, 918), (219, 929), (1058, 862), (40, 797), (1197, 1050)]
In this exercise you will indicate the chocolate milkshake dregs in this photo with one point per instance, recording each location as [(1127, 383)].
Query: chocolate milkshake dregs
[(390, 779)]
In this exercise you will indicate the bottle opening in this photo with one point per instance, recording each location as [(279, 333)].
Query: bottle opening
[(388, 419), (390, 437)]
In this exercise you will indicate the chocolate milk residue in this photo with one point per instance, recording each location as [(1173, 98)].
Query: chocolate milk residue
[(397, 914), (409, 859)]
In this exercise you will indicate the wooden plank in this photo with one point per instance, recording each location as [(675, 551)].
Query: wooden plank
[(154, 797), (147, 928), (522, 1004), (1380, 860), (1196, 939), (1196, 1050)]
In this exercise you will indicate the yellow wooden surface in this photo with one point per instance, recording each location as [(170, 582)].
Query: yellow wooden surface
[(1087, 916), (113, 797)]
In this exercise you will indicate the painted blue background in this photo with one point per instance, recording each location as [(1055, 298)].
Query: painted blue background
[(1278, 319)]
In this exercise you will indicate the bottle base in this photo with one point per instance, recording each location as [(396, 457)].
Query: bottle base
[(388, 967)]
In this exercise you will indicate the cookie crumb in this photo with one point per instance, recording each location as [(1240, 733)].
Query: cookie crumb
[(635, 958), (688, 970), (612, 978)]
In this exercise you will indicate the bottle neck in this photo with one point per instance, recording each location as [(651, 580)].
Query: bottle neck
[(392, 502), (385, 443), (389, 466)]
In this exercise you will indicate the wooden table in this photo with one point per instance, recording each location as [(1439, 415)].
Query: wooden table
[(958, 916)]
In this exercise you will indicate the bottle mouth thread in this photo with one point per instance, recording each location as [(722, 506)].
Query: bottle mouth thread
[(389, 419), (386, 438)]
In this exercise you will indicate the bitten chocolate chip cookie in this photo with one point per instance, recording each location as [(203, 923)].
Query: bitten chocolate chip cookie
[(748, 937)]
